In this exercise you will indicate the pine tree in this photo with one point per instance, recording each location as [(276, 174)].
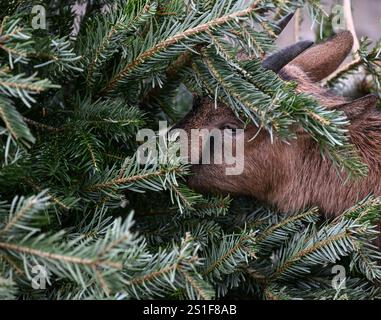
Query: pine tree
[(76, 202)]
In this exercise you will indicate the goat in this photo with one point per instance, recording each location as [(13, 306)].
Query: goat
[(293, 176)]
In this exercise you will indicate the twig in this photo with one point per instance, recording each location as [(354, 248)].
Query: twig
[(356, 44), (351, 25), (42, 125), (298, 18)]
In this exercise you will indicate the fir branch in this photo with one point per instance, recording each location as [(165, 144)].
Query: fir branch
[(113, 29), (12, 247), (79, 260), (279, 233), (235, 250), (20, 212), (8, 289), (131, 179), (174, 40), (42, 126), (113, 118), (60, 56), (15, 41), (195, 287), (23, 87), (65, 204), (15, 123), (170, 269)]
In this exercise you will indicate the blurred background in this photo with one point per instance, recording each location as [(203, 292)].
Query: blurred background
[(366, 16)]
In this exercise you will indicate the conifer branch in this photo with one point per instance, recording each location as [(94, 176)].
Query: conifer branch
[(161, 46)]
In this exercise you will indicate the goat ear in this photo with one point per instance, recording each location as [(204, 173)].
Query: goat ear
[(359, 107), (321, 60)]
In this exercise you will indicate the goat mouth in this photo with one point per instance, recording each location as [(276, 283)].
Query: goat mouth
[(195, 184), (196, 180), (201, 180)]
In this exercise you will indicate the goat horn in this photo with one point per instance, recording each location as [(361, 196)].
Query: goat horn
[(278, 60), (282, 24)]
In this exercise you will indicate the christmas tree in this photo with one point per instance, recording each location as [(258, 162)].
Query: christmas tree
[(80, 218)]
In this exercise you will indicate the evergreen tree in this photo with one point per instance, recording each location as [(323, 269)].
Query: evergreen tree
[(75, 201)]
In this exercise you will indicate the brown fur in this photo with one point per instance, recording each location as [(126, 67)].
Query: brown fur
[(319, 61), (293, 176)]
